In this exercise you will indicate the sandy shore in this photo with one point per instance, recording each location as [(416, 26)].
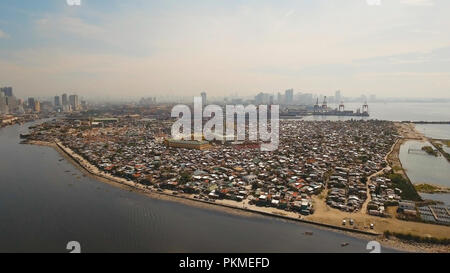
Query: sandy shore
[(324, 216)]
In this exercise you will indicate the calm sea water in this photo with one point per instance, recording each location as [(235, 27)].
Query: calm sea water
[(397, 112), (438, 131), (424, 168), (45, 203)]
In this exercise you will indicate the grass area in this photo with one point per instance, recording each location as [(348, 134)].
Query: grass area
[(446, 142), (440, 149), (427, 188), (408, 190), (418, 239), (429, 150)]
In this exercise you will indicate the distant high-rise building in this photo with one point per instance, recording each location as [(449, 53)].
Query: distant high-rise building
[(73, 100), (363, 98), (31, 103), (7, 91), (12, 103), (338, 96), (3, 105), (37, 106), (289, 96), (64, 100), (203, 94), (259, 98), (34, 105), (279, 98), (306, 98), (57, 102)]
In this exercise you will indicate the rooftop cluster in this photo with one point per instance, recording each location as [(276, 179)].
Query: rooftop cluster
[(332, 156)]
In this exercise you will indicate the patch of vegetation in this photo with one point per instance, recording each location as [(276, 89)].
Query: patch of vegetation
[(363, 179), (443, 152), (427, 188), (364, 158), (408, 190), (418, 239), (185, 177), (429, 150)]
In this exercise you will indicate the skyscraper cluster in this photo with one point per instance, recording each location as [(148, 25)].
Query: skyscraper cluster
[(147, 101), (67, 103), (8, 102), (288, 98)]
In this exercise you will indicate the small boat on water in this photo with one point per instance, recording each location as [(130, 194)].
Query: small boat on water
[(344, 244)]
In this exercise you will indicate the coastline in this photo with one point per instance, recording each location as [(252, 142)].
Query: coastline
[(410, 133), (325, 217)]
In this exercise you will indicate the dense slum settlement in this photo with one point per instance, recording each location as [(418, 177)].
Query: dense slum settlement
[(313, 157)]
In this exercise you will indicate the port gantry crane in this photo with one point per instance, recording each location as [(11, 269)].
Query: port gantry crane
[(341, 107), (365, 108), (324, 104)]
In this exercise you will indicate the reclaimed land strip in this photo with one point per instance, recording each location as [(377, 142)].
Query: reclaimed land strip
[(91, 169), (427, 122), (408, 132), (431, 189), (438, 144), (398, 169)]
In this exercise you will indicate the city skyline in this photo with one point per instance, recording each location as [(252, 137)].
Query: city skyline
[(140, 49)]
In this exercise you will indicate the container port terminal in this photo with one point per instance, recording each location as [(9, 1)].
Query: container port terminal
[(324, 110)]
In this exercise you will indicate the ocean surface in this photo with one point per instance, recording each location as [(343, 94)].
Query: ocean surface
[(424, 168), (45, 202), (396, 112), (438, 131)]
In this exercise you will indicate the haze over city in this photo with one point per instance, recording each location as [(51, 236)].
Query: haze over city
[(226, 134), (124, 49)]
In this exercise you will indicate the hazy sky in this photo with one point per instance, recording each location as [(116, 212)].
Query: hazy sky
[(143, 48)]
